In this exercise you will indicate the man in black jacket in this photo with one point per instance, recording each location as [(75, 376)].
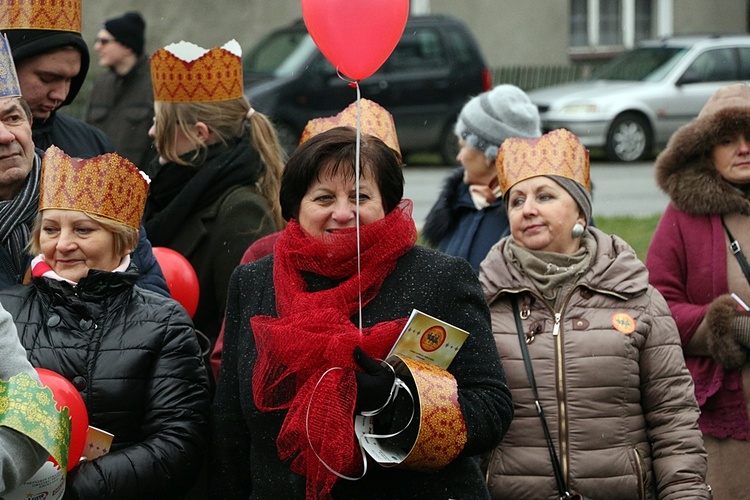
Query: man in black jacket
[(121, 102)]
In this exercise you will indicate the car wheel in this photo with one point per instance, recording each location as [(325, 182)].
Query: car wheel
[(629, 138), (288, 138), (449, 145)]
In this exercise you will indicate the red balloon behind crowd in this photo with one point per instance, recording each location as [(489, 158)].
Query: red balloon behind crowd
[(181, 278), (66, 394), (356, 36)]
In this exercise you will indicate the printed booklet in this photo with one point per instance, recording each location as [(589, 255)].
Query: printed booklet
[(429, 339)]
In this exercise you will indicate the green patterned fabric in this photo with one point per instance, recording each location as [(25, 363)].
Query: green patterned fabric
[(29, 408)]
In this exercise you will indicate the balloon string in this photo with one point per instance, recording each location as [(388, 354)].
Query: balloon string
[(356, 194), (355, 84)]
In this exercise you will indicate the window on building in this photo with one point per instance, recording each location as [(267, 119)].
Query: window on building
[(607, 24), (643, 20), (610, 22), (579, 23)]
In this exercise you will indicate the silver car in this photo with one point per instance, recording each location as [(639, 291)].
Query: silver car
[(634, 103)]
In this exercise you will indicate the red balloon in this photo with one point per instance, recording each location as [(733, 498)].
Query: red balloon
[(181, 278), (67, 395), (356, 36)]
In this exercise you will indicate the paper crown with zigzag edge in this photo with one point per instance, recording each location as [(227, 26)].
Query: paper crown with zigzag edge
[(556, 153), (185, 72), (375, 120), (9, 86), (108, 185), (53, 15)]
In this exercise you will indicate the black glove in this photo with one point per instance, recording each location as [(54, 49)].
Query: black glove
[(373, 384)]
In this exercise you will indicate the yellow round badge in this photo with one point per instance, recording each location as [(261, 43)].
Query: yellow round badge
[(623, 323)]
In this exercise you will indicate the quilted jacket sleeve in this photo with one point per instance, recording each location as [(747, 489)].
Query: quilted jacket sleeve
[(679, 459)]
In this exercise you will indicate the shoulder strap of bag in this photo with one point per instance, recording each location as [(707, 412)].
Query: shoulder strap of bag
[(734, 245), (561, 488)]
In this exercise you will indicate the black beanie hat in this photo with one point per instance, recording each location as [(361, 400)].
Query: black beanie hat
[(128, 29), (26, 43)]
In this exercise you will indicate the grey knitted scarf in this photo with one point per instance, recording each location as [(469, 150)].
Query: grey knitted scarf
[(17, 216), (548, 270)]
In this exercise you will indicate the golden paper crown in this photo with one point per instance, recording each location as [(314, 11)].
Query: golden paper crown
[(55, 15), (108, 186), (9, 86), (557, 153), (185, 72), (375, 120)]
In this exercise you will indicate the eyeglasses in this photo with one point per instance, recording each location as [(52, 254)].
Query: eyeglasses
[(104, 41)]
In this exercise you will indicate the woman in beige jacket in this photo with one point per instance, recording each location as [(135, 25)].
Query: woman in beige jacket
[(604, 350)]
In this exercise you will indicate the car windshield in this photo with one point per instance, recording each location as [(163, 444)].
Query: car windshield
[(645, 64), (279, 55)]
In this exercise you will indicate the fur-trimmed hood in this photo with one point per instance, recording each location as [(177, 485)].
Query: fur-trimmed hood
[(684, 170)]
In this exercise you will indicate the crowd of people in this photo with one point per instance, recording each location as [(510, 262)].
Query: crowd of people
[(584, 373)]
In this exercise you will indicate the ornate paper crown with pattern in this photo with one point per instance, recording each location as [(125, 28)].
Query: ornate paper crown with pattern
[(557, 153), (9, 86), (185, 72), (55, 15), (108, 186), (375, 121)]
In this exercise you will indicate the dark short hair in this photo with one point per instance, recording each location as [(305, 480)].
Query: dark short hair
[(336, 149), (26, 108)]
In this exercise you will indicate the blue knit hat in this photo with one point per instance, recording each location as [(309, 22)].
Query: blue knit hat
[(493, 116)]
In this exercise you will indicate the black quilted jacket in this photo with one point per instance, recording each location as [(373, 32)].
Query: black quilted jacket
[(134, 358)]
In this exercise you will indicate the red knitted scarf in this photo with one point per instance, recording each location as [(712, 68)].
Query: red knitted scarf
[(314, 332)]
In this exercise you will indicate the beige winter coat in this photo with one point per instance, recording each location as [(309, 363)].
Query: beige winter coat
[(612, 381)]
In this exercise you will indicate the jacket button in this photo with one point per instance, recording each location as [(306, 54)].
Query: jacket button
[(85, 324), (79, 383), (53, 320)]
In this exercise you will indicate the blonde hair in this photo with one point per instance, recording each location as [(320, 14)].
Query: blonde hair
[(125, 237), (226, 120)]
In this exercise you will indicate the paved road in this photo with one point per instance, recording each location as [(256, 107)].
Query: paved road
[(618, 189)]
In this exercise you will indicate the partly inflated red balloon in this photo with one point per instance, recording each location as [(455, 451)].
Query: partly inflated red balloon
[(181, 278), (356, 36), (66, 394)]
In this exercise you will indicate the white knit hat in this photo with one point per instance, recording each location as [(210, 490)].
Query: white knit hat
[(493, 116)]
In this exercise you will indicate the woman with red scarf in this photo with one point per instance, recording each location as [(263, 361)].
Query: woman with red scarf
[(290, 386)]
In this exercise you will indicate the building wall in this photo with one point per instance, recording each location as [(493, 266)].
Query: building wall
[(710, 16), (515, 32), (206, 23)]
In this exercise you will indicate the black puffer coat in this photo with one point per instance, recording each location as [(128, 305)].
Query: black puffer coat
[(134, 358)]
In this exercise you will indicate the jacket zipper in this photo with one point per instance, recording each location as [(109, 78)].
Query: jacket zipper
[(640, 473), (561, 401)]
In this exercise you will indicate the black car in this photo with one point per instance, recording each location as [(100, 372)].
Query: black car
[(435, 68)]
